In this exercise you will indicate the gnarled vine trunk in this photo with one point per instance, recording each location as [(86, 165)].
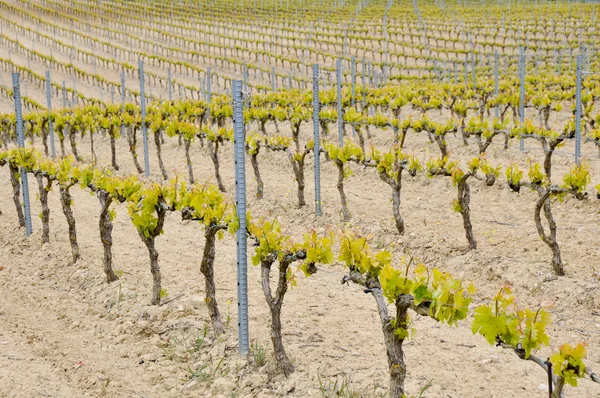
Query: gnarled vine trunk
[(65, 200), (464, 199), (259, 183), (207, 269), (43, 190), (213, 148), (132, 141), (113, 150), (14, 181), (340, 187), (275, 304), (106, 227), (297, 162), (188, 159), (73, 141), (396, 189), (549, 239), (149, 241), (159, 153)]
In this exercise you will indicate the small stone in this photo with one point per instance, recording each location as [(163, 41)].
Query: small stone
[(543, 387), (198, 302), (192, 385)]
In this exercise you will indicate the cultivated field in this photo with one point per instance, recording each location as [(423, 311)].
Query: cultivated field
[(466, 258)]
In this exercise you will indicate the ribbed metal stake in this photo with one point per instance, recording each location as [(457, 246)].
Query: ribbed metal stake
[(245, 85), (273, 79), (522, 95), (317, 147), (122, 100), (21, 143), (64, 93), (49, 104), (144, 132), (353, 71), (364, 84), (240, 198), (473, 71), (496, 83), (338, 75), (76, 101), (578, 111), (208, 92), (170, 84)]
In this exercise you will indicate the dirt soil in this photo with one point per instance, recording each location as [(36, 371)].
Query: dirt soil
[(66, 333)]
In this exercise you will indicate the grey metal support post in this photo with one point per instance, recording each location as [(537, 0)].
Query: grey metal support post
[(122, 100), (245, 85), (76, 102), (144, 132), (208, 94), (170, 84), (49, 105), (578, 111), (522, 94), (21, 143), (338, 75), (473, 71), (317, 147), (64, 93), (364, 85), (208, 87), (353, 71), (273, 79), (496, 83), (240, 197)]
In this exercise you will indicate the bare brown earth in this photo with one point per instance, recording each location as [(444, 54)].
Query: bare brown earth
[(66, 333)]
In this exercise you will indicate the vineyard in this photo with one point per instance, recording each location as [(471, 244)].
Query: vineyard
[(422, 183)]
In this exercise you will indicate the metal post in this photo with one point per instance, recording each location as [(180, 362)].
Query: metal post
[(317, 147), (473, 71), (49, 104), (353, 71), (208, 92), (245, 84), (364, 85), (170, 84), (76, 102), (144, 132), (522, 96), (338, 74), (21, 143), (240, 195), (273, 79), (578, 111), (496, 83), (64, 93)]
